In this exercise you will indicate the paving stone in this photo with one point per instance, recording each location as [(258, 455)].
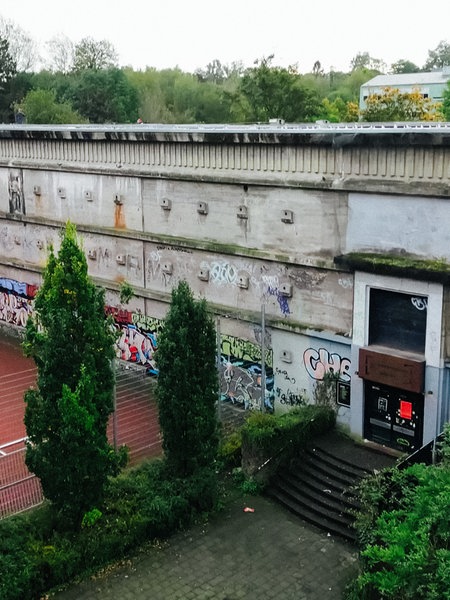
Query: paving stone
[(253, 556)]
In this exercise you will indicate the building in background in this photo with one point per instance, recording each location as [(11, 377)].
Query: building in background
[(431, 85)]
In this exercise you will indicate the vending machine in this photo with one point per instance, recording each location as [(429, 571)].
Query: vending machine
[(393, 417)]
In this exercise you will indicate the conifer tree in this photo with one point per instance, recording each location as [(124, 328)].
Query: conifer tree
[(66, 417), (188, 385)]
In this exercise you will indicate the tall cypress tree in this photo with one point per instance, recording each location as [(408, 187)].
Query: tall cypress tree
[(188, 385), (66, 417)]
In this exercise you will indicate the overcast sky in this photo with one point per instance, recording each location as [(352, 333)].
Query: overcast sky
[(191, 33)]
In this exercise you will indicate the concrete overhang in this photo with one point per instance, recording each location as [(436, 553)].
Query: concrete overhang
[(328, 134), (434, 270)]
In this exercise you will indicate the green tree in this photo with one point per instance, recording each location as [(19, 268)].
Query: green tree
[(66, 417), (406, 553), (393, 105), (446, 103), (41, 106), (363, 60), (103, 96), (439, 57), (12, 91), (404, 66), (188, 385), (95, 55), (276, 92)]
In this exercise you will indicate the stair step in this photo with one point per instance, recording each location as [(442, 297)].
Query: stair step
[(338, 463), (321, 501), (322, 472), (320, 487), (319, 520)]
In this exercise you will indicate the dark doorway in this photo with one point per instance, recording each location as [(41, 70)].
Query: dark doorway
[(397, 320)]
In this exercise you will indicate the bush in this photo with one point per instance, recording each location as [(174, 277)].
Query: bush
[(37, 553), (230, 450), (268, 440), (405, 532)]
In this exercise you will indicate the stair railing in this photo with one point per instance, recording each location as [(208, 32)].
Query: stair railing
[(427, 454)]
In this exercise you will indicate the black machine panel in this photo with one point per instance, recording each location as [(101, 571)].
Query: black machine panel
[(393, 417)]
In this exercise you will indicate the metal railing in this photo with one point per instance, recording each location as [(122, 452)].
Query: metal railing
[(19, 489), (427, 454)]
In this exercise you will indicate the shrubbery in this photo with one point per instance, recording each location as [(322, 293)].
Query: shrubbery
[(404, 532), (140, 505)]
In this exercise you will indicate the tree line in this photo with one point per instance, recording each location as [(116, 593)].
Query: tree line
[(83, 83)]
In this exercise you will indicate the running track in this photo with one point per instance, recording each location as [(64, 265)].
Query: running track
[(136, 423)]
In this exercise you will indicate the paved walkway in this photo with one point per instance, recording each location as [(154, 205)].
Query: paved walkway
[(257, 555)]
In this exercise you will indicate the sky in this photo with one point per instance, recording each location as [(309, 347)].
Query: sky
[(191, 33)]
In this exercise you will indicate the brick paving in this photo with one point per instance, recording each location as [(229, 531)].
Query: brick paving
[(262, 555)]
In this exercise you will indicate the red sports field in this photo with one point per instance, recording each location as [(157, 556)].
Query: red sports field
[(135, 424)]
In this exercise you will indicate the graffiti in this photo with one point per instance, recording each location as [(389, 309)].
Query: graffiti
[(320, 362), (147, 323), (241, 372), (223, 273), (290, 398), (22, 289), (15, 310), (156, 269), (120, 315), (137, 339), (137, 347), (271, 281), (16, 196), (282, 300), (419, 303), (346, 283), (285, 375), (16, 301), (244, 350), (175, 249)]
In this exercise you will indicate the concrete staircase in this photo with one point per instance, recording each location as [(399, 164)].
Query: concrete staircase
[(318, 486)]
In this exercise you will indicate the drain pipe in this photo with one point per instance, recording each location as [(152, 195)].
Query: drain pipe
[(263, 357)]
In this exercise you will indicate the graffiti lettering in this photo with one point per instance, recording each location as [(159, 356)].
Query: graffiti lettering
[(15, 310), (320, 362), (147, 323), (223, 273), (135, 346), (282, 300), (175, 249), (244, 350), (240, 374), (419, 303), (16, 301), (137, 340), (285, 375), (291, 398)]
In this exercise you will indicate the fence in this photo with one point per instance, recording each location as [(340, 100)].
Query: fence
[(19, 489), (135, 424)]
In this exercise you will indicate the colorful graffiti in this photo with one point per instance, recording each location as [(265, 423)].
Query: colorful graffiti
[(137, 337), (16, 301), (241, 373), (320, 362)]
